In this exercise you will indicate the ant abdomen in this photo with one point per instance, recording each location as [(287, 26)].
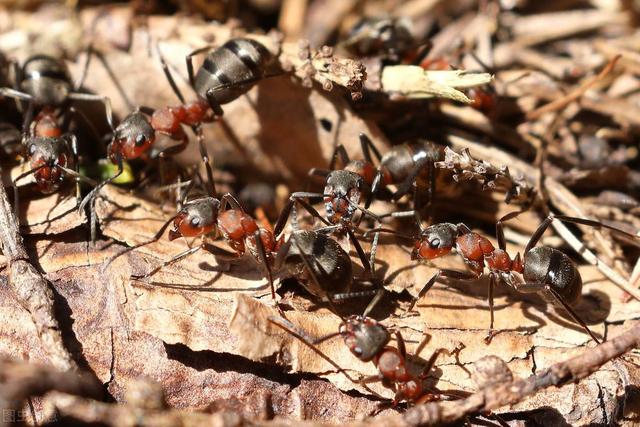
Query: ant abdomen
[(46, 79), (401, 160), (332, 265), (237, 60), (552, 267)]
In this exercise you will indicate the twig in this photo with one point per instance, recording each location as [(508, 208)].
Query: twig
[(572, 370), (561, 103), (466, 168), (21, 380), (430, 414), (31, 289), (554, 187)]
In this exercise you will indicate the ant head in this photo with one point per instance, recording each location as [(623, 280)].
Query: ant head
[(196, 218), (133, 136), (44, 155), (342, 194), (435, 241), (364, 336)]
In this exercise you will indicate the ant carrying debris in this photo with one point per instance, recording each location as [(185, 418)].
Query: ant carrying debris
[(541, 269), (367, 340)]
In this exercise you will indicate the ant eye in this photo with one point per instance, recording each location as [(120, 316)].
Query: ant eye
[(140, 140), (32, 149), (357, 351), (195, 221), (435, 243)]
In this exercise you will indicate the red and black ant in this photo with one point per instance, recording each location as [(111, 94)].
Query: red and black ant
[(541, 269), (208, 215), (228, 72), (51, 154), (342, 193), (368, 340)]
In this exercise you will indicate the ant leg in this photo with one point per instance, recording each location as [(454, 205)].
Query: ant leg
[(422, 345), (502, 243), (112, 76), (85, 67), (93, 193), (405, 186), (381, 290), (572, 313), (262, 254), (168, 75), (299, 197), (402, 349), (459, 275), (76, 166), (431, 363), (367, 147), (491, 333), (399, 214), (388, 231), (28, 118), (189, 62), (537, 235), (174, 149), (98, 98), (15, 94), (213, 103), (283, 217), (229, 199), (375, 185), (537, 287), (204, 155), (339, 151), (302, 336), (168, 262), (594, 224), (16, 196), (155, 238), (363, 257)]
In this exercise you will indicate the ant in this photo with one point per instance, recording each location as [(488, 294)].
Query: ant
[(367, 340), (52, 155), (227, 72), (541, 269), (209, 215), (342, 193)]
